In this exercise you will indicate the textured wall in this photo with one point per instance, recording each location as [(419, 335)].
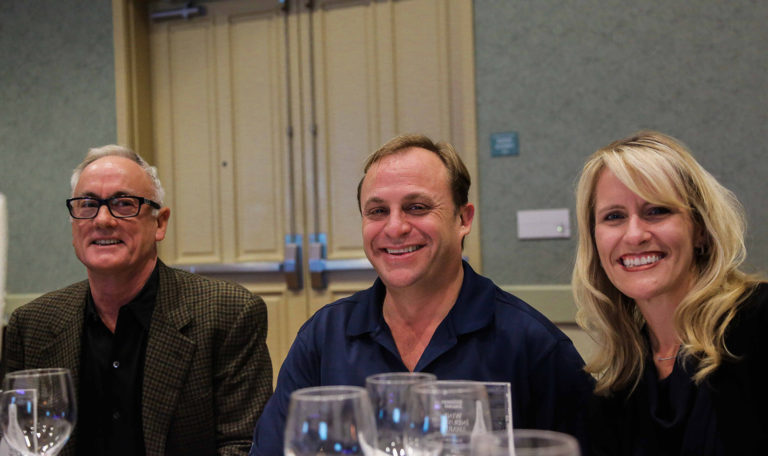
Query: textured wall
[(57, 99), (568, 76), (573, 76)]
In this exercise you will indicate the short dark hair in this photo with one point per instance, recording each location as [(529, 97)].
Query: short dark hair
[(459, 179)]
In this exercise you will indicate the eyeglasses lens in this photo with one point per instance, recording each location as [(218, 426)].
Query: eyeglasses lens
[(119, 207)]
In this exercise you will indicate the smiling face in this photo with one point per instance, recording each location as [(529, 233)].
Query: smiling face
[(645, 249), (412, 230), (106, 244)]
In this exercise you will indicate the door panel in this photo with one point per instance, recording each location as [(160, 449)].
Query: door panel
[(220, 144), (420, 64), (184, 111), (348, 112), (263, 119), (257, 126)]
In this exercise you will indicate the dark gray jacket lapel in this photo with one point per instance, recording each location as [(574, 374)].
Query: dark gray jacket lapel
[(168, 358), (63, 348)]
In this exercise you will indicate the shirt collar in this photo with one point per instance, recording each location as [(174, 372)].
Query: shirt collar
[(367, 316), (474, 307), (142, 305)]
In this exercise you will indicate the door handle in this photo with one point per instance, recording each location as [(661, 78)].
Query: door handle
[(226, 268), (319, 265), (290, 267)]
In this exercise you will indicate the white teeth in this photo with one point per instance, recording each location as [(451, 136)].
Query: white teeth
[(107, 242), (412, 248), (643, 260)]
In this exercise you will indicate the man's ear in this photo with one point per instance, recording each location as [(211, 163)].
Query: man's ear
[(466, 215), (162, 223)]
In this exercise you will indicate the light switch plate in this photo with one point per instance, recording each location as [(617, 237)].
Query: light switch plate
[(543, 224)]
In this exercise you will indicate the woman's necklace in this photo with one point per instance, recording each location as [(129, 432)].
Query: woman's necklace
[(667, 358)]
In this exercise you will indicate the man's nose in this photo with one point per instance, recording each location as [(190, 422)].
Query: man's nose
[(103, 216), (397, 224)]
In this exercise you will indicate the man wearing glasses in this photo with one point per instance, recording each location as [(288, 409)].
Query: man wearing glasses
[(165, 362)]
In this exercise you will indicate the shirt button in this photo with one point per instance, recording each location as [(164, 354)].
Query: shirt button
[(115, 364), (116, 415)]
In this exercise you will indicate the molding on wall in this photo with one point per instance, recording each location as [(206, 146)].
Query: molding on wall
[(15, 300), (130, 22), (554, 301)]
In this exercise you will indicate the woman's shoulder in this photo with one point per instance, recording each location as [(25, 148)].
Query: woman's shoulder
[(738, 386), (754, 309), (760, 293), (750, 321)]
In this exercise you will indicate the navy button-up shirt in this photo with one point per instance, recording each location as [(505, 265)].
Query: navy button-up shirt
[(489, 335)]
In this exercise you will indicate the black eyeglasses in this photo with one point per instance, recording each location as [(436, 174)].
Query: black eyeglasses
[(87, 207)]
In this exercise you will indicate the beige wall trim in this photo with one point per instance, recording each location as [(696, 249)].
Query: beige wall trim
[(122, 70), (554, 301), (134, 114), (465, 128), (13, 301)]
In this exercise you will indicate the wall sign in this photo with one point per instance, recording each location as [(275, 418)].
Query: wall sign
[(503, 144)]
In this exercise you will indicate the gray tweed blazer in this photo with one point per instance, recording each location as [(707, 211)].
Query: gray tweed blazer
[(207, 371)]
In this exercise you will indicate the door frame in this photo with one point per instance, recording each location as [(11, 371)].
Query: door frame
[(130, 24), (130, 21)]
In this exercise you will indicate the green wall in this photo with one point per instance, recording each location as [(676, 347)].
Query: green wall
[(571, 77), (57, 99)]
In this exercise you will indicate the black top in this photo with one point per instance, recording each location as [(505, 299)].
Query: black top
[(109, 419), (727, 414)]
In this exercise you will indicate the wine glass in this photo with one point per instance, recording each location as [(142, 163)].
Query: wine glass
[(444, 416), (38, 410), (500, 405), (527, 442), (389, 396), (330, 420), (538, 442)]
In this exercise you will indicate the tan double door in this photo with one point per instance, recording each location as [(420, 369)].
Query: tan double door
[(262, 115)]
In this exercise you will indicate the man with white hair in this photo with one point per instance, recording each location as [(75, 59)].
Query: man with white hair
[(164, 362)]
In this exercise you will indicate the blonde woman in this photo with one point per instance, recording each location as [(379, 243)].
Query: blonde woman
[(683, 332)]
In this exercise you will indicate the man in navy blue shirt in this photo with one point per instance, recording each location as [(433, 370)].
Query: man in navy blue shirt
[(429, 311)]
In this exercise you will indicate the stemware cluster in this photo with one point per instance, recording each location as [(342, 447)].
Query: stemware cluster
[(38, 410), (414, 414)]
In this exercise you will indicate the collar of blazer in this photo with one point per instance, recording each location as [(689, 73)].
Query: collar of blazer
[(173, 297), (169, 356)]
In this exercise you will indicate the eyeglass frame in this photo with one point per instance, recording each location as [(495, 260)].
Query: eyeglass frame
[(105, 202)]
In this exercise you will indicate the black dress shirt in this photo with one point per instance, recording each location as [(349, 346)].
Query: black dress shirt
[(725, 415), (112, 372)]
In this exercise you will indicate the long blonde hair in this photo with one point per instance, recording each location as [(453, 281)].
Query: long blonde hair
[(660, 170)]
